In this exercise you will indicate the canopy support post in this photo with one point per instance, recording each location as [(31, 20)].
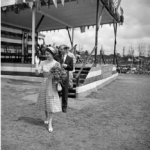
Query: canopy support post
[(115, 42), (69, 36), (52, 17), (100, 56), (98, 22), (39, 22), (33, 35), (72, 36), (38, 27)]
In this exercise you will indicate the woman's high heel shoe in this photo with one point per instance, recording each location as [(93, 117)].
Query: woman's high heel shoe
[(50, 129), (46, 122)]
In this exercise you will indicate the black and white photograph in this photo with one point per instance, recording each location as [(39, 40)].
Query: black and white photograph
[(75, 74)]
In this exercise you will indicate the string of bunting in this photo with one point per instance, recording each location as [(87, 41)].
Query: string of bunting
[(110, 4)]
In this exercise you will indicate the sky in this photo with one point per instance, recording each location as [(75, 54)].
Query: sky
[(135, 31)]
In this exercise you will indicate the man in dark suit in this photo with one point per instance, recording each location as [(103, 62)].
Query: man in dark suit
[(67, 63)]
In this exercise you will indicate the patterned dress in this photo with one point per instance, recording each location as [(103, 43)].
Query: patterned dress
[(48, 99)]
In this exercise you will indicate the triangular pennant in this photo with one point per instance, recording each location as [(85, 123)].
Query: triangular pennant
[(16, 9), (63, 1), (82, 29), (88, 27), (38, 4), (4, 9), (121, 11), (55, 3), (92, 1), (30, 4), (47, 3)]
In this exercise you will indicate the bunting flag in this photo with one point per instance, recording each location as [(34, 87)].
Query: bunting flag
[(63, 1), (30, 4), (38, 4), (4, 9), (47, 3), (136, 59), (82, 29), (121, 10), (16, 9), (55, 3)]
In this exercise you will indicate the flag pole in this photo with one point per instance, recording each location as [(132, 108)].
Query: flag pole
[(33, 34), (98, 22)]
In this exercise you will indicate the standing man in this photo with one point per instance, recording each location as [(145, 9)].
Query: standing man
[(67, 64), (71, 54)]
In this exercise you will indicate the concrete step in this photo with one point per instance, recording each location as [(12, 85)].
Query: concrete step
[(73, 90), (71, 95), (83, 71), (86, 68), (81, 81), (83, 76)]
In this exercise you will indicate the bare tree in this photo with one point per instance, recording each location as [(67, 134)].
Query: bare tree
[(141, 49), (123, 54), (148, 52), (131, 51)]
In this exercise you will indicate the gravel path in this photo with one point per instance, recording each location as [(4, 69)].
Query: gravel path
[(116, 117)]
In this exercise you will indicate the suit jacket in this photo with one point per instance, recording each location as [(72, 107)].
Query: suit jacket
[(69, 63)]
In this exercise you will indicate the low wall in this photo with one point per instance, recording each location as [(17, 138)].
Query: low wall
[(97, 78), (17, 69)]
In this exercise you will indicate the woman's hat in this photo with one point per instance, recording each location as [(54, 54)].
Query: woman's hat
[(52, 50)]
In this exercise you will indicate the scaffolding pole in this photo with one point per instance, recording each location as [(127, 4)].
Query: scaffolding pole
[(33, 35), (98, 22)]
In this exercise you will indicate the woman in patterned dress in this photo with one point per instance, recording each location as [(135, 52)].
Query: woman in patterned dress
[(48, 99)]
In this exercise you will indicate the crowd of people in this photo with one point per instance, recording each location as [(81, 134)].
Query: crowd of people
[(78, 59), (50, 99)]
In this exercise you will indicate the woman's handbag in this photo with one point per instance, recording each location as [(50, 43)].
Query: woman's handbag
[(70, 83), (70, 79), (59, 88)]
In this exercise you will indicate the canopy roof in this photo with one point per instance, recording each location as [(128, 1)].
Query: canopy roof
[(71, 15)]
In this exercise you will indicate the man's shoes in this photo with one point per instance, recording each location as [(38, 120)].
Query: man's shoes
[(64, 110), (46, 122)]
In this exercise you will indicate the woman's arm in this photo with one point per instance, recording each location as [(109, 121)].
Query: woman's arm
[(38, 65)]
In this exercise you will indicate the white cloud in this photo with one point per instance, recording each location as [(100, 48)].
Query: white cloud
[(135, 30)]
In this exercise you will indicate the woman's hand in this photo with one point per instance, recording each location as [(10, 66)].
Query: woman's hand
[(37, 60), (64, 65)]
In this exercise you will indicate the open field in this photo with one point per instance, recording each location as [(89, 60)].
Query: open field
[(116, 117)]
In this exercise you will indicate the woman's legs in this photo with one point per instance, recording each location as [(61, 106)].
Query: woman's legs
[(46, 114), (50, 118)]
